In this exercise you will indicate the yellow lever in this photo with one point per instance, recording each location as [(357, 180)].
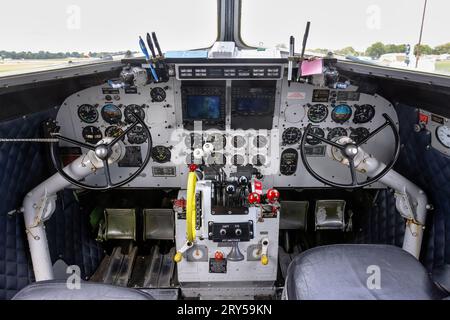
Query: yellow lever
[(179, 255), (190, 206), (264, 259), (264, 248)]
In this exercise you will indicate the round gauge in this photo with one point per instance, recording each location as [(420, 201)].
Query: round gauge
[(218, 141), (335, 133), (291, 135), (238, 141), (190, 159), (111, 113), (131, 110), (216, 158), (113, 131), (161, 154), (258, 160), (358, 134), (364, 113), (443, 135), (317, 113), (318, 132), (137, 135), (341, 113), (87, 113), (158, 94), (238, 160), (92, 134), (260, 141), (193, 141)]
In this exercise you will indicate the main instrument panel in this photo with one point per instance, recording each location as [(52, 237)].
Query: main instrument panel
[(225, 123)]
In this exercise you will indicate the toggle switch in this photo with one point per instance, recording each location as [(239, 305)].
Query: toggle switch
[(179, 255)]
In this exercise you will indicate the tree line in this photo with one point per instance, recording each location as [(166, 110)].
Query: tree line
[(378, 49), (54, 55)]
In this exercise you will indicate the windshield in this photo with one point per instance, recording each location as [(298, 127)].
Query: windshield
[(45, 34), (384, 32)]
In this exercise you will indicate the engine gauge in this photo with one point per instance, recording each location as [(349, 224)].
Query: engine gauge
[(158, 94), (260, 141), (358, 134), (443, 135), (238, 160), (218, 141), (193, 141), (336, 133), (88, 113), (92, 134), (259, 160), (238, 141), (137, 135), (291, 135), (111, 113), (130, 112), (161, 154), (364, 113), (216, 158), (113, 131), (318, 132), (341, 113), (317, 113)]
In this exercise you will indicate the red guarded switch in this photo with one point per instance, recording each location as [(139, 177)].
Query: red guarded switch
[(273, 195), (218, 255), (254, 198), (192, 167)]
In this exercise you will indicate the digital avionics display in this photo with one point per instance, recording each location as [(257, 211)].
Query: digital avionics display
[(203, 107), (252, 105)]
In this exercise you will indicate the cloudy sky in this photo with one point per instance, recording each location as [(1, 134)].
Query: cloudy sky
[(105, 25)]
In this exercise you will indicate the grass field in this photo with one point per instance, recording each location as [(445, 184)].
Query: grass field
[(443, 66), (22, 66)]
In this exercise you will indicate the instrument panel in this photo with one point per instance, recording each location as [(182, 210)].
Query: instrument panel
[(226, 124)]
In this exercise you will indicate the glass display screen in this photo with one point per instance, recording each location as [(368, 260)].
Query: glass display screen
[(203, 107), (253, 105)]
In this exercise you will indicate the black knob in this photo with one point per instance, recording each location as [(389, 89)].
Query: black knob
[(243, 180), (230, 189), (223, 232), (238, 232)]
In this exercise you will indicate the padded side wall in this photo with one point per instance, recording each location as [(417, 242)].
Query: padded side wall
[(22, 167), (430, 170)]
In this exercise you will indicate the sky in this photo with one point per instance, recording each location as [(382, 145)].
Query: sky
[(106, 25)]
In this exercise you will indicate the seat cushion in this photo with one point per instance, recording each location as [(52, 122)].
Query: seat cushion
[(350, 272), (57, 290)]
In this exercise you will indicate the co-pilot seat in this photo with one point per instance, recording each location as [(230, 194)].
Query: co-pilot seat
[(359, 272)]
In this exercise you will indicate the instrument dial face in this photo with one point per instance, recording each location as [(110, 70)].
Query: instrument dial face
[(111, 113), (193, 141), (216, 158), (92, 134), (335, 133), (317, 113), (259, 160), (218, 141), (358, 134), (443, 135), (158, 94), (238, 141), (364, 113), (238, 160), (341, 113), (190, 159), (260, 141), (161, 154), (291, 135), (130, 112), (88, 113), (113, 132), (137, 135), (318, 132)]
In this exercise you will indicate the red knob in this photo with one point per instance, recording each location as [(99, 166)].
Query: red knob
[(192, 167), (254, 198), (273, 195), (218, 255)]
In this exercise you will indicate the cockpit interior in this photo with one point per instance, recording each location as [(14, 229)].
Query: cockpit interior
[(228, 172)]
